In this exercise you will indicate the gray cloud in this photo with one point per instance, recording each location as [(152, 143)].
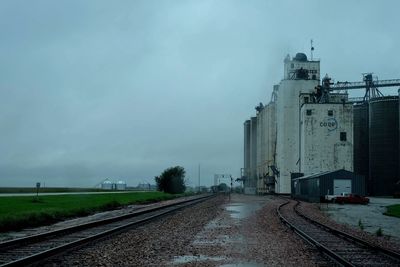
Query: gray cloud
[(94, 89)]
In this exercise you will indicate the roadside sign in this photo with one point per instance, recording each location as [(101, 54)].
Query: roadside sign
[(37, 189)]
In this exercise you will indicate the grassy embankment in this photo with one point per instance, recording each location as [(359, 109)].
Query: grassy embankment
[(28, 211), (393, 210)]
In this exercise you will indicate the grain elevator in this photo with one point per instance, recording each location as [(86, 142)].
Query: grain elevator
[(311, 126), (300, 76), (299, 132)]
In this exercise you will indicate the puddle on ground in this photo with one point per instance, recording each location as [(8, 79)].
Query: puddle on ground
[(242, 264), (216, 223), (198, 258), (242, 210), (217, 240)]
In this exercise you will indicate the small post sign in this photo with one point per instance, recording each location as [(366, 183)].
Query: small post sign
[(230, 192), (37, 189)]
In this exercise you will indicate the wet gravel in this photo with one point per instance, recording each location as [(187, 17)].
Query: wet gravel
[(258, 239), (242, 232), (313, 211), (153, 244)]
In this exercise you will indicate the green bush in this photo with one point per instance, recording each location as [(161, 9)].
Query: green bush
[(172, 180)]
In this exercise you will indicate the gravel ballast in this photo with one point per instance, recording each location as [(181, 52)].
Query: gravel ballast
[(244, 232), (313, 211), (153, 244), (248, 233)]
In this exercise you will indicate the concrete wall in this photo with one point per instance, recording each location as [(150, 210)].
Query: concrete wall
[(266, 144), (246, 150), (288, 117), (253, 152), (321, 146), (275, 132), (290, 67), (288, 130), (260, 139)]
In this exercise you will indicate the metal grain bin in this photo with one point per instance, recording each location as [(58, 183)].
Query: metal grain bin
[(121, 185), (383, 145), (360, 141), (107, 185)]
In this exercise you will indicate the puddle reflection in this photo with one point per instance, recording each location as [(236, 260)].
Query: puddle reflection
[(198, 258), (242, 210)]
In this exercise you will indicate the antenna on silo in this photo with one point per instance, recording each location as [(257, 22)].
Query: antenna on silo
[(312, 49)]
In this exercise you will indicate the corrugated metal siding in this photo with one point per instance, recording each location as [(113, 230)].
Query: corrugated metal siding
[(312, 189), (360, 140), (383, 145)]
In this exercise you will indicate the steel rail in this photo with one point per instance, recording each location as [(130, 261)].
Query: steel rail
[(348, 236), (323, 249), (43, 236), (19, 243), (330, 251)]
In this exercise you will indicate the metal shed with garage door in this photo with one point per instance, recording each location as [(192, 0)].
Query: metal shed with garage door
[(314, 187)]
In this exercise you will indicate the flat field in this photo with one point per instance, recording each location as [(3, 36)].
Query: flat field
[(17, 212), (8, 190)]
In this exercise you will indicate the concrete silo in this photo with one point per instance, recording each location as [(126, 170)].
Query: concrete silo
[(266, 143), (301, 76), (246, 169), (253, 155)]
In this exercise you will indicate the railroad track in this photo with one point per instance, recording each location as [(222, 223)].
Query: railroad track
[(340, 247), (35, 248)]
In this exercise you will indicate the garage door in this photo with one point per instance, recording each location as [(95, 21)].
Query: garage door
[(341, 186)]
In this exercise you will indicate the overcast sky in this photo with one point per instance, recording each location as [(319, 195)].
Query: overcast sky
[(124, 89)]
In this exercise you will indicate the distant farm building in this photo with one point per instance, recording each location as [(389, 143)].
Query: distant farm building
[(107, 185)]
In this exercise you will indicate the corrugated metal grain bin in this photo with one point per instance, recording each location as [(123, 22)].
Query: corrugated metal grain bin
[(360, 141), (314, 187), (384, 144)]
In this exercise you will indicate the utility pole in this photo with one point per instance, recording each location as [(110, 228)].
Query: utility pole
[(230, 192), (199, 178)]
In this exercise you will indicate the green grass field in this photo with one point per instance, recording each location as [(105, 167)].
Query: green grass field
[(393, 210), (48, 189), (28, 211)]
